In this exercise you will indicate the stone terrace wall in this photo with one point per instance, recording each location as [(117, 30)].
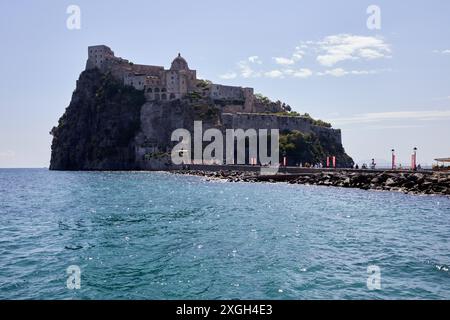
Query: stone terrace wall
[(266, 121)]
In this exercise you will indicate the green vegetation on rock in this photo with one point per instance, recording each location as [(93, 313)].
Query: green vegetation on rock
[(286, 114), (262, 98), (300, 147), (205, 112), (317, 122), (194, 96), (203, 83)]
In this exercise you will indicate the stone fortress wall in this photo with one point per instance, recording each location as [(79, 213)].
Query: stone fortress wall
[(283, 123)]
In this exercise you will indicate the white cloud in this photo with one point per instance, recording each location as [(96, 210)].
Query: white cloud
[(446, 51), (340, 72), (274, 74), (302, 73), (255, 59), (343, 47), (363, 72), (229, 75), (282, 73), (429, 115), (284, 61), (246, 70), (328, 52), (296, 56)]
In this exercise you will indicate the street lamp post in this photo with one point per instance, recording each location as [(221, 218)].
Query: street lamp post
[(393, 159), (414, 167)]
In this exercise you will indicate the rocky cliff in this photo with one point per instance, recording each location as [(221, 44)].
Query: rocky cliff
[(110, 126), (98, 128)]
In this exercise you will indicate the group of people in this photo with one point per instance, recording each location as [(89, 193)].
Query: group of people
[(309, 165), (373, 166)]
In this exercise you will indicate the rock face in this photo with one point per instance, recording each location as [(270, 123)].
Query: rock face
[(98, 128), (110, 126), (159, 120)]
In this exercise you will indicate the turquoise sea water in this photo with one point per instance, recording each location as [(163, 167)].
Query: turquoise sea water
[(161, 236)]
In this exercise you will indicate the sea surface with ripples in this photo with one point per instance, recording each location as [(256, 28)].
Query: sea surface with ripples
[(144, 235)]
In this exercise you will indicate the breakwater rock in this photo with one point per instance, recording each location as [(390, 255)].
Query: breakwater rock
[(406, 182)]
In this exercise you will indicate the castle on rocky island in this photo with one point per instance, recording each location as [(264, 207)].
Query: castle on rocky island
[(122, 116), (160, 84)]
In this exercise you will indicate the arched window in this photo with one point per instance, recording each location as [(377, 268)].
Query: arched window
[(163, 90), (149, 90), (172, 96), (163, 96), (156, 96), (156, 89)]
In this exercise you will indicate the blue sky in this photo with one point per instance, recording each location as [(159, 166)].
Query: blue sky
[(385, 89)]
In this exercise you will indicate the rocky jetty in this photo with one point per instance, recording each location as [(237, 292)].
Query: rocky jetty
[(405, 182)]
